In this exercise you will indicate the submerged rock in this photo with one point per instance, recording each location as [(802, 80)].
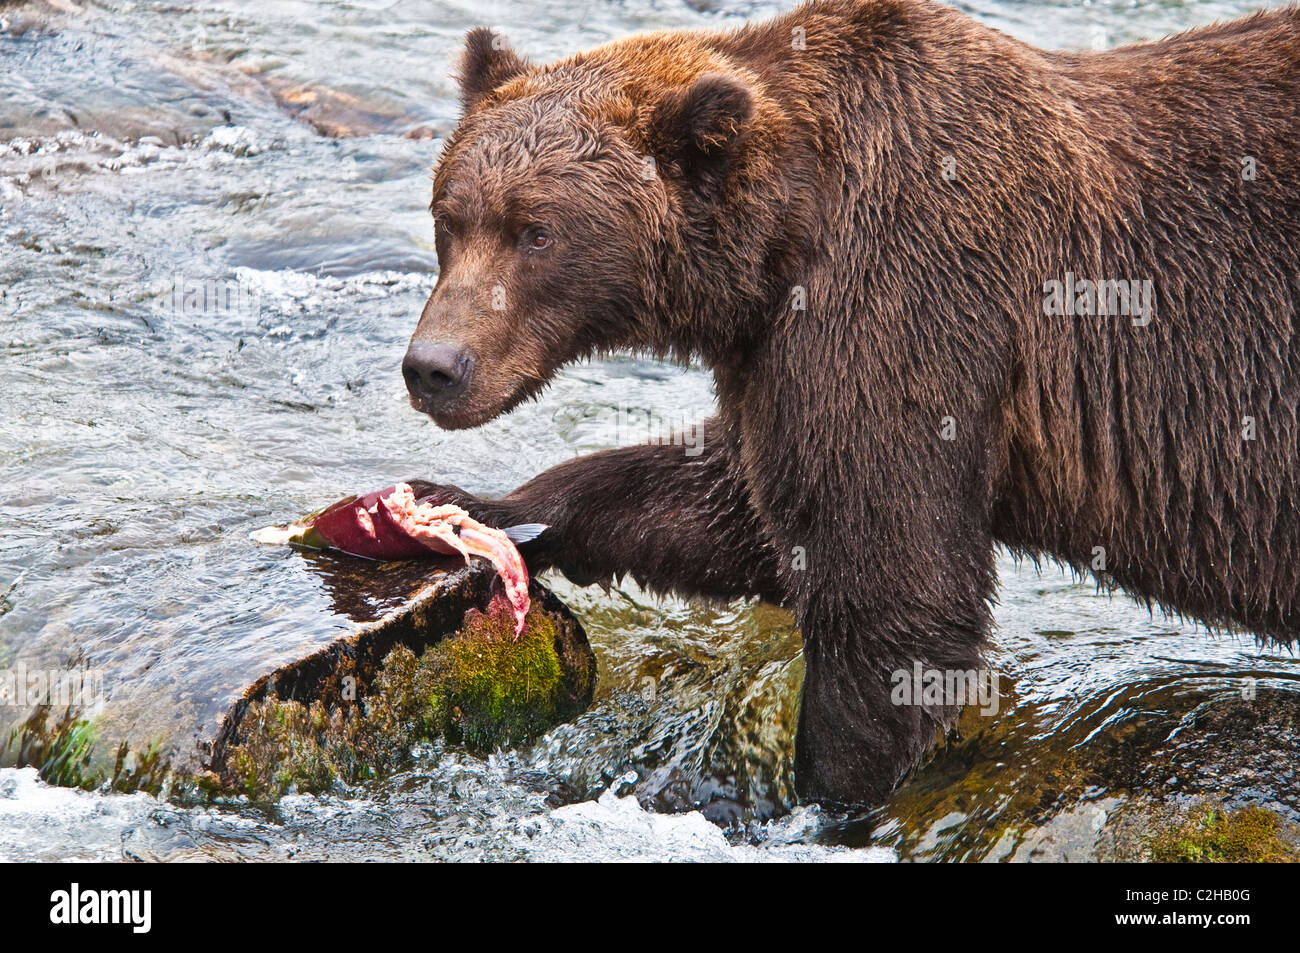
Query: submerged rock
[(331, 669), (1195, 771), (479, 687), (1208, 834)]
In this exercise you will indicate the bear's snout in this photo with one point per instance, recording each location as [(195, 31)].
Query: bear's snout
[(437, 374)]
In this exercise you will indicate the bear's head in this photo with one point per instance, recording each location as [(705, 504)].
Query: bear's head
[(592, 205)]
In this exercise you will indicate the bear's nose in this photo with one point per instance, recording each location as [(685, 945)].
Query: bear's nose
[(436, 373)]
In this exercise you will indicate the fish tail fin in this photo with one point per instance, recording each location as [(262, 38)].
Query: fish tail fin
[(525, 532)]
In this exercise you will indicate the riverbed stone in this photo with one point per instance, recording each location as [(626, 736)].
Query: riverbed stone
[(386, 655)]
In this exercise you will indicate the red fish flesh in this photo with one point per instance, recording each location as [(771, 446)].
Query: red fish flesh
[(392, 524)]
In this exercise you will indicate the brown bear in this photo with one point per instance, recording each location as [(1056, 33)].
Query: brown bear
[(955, 292)]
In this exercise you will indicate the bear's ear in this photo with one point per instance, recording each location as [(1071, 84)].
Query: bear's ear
[(700, 127), (487, 62)]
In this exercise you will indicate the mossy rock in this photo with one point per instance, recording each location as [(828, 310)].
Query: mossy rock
[(480, 688), (483, 688), (1213, 835), (169, 707)]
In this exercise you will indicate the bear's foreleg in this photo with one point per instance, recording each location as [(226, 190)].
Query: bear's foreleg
[(675, 516), (884, 533), (877, 693)]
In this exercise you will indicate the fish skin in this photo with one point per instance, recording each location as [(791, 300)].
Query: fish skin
[(366, 526), (341, 527)]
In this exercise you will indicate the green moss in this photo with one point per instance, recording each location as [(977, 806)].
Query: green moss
[(480, 688), (66, 760), (287, 747), (67, 750), (487, 690), (140, 770), (1210, 835)]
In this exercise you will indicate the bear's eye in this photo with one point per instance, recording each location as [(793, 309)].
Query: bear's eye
[(536, 238)]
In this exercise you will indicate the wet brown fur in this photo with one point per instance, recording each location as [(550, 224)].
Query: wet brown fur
[(822, 168)]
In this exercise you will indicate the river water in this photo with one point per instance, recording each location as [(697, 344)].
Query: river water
[(270, 160)]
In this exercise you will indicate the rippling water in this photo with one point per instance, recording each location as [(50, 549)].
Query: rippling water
[(273, 159)]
